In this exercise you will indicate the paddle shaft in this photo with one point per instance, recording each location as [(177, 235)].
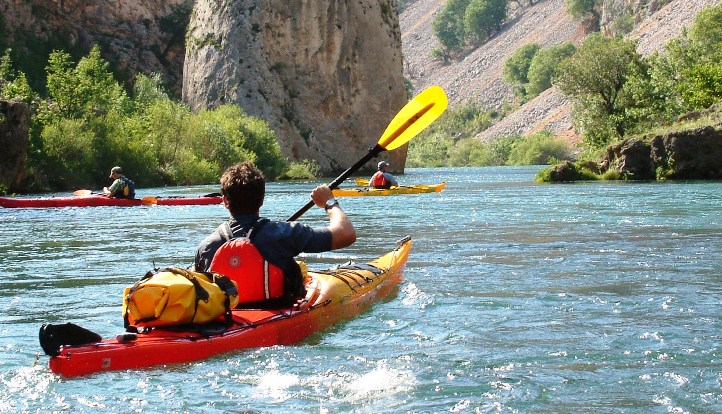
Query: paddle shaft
[(373, 152)]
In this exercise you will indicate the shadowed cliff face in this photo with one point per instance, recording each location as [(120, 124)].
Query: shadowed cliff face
[(14, 125), (327, 76)]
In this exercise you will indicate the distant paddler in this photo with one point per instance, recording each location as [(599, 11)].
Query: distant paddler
[(122, 186)]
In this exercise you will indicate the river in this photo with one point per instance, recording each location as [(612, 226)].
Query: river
[(518, 297)]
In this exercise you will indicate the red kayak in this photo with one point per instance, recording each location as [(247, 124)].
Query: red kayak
[(98, 200), (333, 295)]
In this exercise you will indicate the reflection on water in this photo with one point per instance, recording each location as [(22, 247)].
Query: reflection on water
[(518, 297)]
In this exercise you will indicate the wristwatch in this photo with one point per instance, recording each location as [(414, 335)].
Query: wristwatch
[(331, 203)]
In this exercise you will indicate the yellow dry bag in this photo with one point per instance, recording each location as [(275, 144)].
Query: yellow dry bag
[(175, 296)]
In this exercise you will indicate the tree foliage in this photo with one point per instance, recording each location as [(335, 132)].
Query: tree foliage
[(462, 21), (538, 149), (706, 32), (544, 67), (85, 88), (595, 76), (482, 18), (449, 25), (452, 141), (580, 9), (531, 69), (88, 123), (13, 84), (616, 92), (516, 68)]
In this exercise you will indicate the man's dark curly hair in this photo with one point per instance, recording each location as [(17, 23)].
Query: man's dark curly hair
[(244, 187)]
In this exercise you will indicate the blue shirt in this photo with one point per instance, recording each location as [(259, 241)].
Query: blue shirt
[(279, 242)]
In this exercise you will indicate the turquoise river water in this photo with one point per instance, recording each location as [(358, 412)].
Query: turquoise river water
[(518, 297)]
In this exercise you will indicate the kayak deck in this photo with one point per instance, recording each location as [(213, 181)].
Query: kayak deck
[(332, 296), (403, 189)]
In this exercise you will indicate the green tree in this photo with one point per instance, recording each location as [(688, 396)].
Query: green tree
[(84, 89), (685, 78), (700, 80), (706, 31), (538, 149), (13, 84), (544, 66), (582, 9), (482, 18), (595, 77), (147, 90), (18, 89), (653, 93), (702, 85), (516, 68), (449, 25), (89, 122), (430, 150), (69, 153), (226, 135)]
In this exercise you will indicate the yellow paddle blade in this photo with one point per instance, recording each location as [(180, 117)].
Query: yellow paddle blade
[(82, 192), (362, 182), (149, 200), (416, 115)]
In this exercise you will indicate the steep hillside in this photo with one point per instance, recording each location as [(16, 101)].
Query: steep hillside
[(478, 75)]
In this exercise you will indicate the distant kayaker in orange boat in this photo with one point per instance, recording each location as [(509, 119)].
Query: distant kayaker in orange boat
[(122, 186), (383, 179), (259, 254)]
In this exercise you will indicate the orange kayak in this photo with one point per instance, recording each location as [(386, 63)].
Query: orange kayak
[(332, 296)]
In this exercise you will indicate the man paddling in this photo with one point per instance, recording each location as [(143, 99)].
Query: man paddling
[(234, 247), (383, 179), (122, 186)]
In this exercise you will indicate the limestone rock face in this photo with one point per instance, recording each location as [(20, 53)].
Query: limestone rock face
[(326, 75), (14, 139)]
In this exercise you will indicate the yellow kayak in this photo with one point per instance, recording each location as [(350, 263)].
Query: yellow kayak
[(402, 189)]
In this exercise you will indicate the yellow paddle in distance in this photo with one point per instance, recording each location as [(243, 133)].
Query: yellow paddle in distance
[(416, 115), (81, 193), (362, 182)]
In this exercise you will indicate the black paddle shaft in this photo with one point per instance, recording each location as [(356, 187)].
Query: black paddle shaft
[(373, 152)]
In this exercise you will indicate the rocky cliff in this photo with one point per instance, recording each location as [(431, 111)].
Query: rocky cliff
[(327, 76), (134, 35)]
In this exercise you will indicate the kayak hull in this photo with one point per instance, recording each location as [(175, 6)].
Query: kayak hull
[(332, 296), (97, 200), (412, 189)]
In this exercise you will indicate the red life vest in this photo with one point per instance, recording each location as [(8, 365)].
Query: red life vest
[(378, 180), (241, 261)]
